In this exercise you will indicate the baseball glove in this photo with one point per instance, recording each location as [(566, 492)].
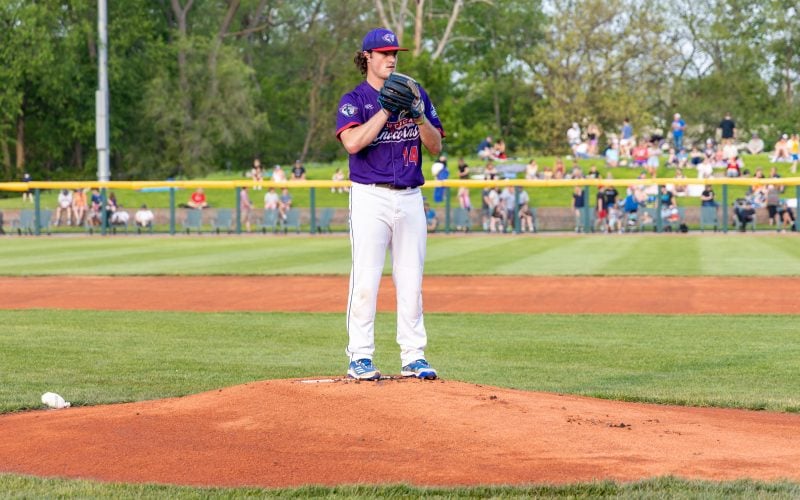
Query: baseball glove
[(400, 94)]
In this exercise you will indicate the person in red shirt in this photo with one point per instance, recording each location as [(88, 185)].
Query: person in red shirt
[(640, 154), (198, 199)]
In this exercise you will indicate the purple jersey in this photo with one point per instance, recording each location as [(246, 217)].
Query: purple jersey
[(395, 156)]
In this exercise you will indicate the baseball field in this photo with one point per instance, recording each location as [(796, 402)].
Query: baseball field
[(647, 365)]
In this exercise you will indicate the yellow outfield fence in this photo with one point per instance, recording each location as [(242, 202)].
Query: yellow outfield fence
[(454, 218)]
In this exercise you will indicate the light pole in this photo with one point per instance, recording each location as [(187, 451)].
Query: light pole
[(101, 96)]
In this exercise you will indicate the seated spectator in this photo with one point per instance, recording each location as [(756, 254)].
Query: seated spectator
[(79, 206), (729, 151), (705, 170), (111, 207), (463, 198), (653, 160), (744, 212), (298, 171), (672, 159), (593, 173), (581, 150), (499, 217), (669, 208), (558, 169), (573, 137), (271, 199), (284, 204), (95, 208), (612, 156), (144, 218), (525, 217), (781, 149), (65, 206), (707, 197), (486, 148), (614, 219), (278, 175), (500, 150), (430, 216), (680, 189), (640, 154), (547, 173), (197, 200), (732, 169), (490, 171), (695, 157), (592, 136), (339, 176), (532, 170), (786, 215), (683, 158), (756, 144)]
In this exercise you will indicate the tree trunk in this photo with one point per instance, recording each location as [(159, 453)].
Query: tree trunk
[(181, 13), (6, 160), (418, 27), (21, 141), (233, 6)]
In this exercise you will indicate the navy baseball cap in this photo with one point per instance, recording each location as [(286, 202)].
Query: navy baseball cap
[(380, 40)]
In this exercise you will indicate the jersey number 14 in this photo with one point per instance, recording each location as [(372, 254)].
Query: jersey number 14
[(410, 155)]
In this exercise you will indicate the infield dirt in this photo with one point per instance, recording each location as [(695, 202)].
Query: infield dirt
[(289, 432)]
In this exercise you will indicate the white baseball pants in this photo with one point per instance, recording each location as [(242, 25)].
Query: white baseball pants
[(382, 218)]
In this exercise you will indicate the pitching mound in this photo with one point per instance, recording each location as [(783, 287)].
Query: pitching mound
[(292, 432)]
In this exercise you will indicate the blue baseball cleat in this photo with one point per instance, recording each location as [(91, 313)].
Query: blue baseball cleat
[(363, 369), (420, 369)]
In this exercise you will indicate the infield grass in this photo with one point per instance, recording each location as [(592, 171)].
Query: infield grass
[(565, 255), (665, 487), (96, 357)]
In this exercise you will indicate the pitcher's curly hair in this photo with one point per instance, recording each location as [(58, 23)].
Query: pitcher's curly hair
[(360, 60)]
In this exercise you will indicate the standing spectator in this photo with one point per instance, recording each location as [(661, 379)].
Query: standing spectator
[(592, 138), (794, 151), (64, 206), (441, 173), (756, 144), (28, 194), (257, 174), (271, 199), (298, 171), (509, 198), (678, 128), (463, 198), (79, 206), (627, 140), (143, 218), (486, 206), (574, 137), (728, 128), (463, 169), (245, 207), (773, 200), (578, 204)]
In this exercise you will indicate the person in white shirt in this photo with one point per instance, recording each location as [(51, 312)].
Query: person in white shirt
[(271, 199), (64, 205), (144, 217)]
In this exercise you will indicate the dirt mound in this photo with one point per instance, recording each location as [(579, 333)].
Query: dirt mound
[(293, 432)]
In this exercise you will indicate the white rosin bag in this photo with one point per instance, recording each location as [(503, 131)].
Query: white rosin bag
[(53, 400)]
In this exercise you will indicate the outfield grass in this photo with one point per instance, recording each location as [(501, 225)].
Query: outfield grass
[(562, 255), (95, 357)]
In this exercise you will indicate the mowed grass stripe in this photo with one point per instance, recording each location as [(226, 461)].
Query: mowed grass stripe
[(568, 255), (94, 357)]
